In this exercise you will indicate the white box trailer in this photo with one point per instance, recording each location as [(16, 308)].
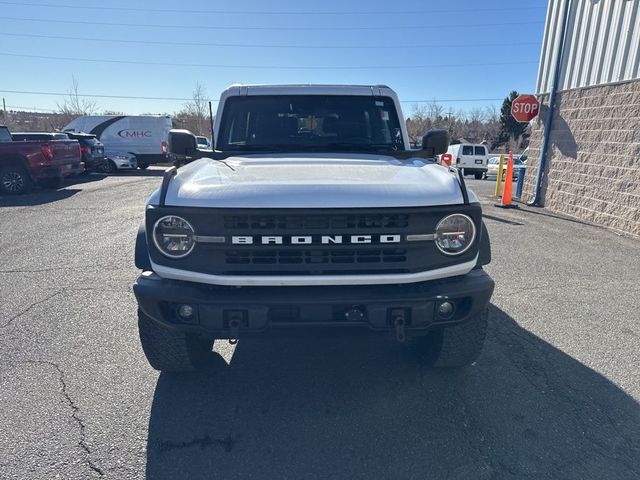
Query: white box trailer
[(143, 137)]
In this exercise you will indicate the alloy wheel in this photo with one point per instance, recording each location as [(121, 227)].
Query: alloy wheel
[(12, 182)]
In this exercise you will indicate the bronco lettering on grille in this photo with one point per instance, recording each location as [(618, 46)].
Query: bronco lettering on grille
[(313, 239)]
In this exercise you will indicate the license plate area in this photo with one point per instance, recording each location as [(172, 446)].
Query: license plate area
[(478, 161)]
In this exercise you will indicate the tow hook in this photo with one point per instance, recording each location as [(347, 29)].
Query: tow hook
[(234, 331), (399, 322)]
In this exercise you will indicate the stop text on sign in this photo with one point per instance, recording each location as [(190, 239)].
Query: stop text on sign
[(525, 108)]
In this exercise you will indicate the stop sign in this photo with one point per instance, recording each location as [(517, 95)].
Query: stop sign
[(525, 108)]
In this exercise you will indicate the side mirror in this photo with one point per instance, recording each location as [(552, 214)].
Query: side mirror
[(182, 143), (436, 142)]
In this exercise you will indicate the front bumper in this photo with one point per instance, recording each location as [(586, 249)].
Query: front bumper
[(229, 312), (125, 163)]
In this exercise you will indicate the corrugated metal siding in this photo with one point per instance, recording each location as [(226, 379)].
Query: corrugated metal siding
[(603, 43)]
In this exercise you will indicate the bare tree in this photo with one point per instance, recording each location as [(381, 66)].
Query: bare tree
[(436, 112), (194, 115), (478, 124), (75, 104), (423, 118), (417, 124)]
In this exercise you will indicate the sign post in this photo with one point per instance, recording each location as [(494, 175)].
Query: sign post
[(525, 108)]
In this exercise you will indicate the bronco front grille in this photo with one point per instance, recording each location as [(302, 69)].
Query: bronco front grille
[(229, 257)]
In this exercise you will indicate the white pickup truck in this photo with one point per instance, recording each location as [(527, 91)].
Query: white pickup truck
[(310, 212)]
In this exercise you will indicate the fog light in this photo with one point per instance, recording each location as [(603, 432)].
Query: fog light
[(445, 309), (185, 312)]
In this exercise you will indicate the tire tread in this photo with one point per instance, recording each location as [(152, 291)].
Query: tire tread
[(171, 351)]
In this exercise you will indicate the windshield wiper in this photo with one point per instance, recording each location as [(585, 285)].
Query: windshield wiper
[(260, 148), (369, 147)]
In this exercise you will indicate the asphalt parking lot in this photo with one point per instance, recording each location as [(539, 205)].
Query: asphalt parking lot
[(554, 395)]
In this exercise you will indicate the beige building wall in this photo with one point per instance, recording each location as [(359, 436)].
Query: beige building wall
[(593, 156)]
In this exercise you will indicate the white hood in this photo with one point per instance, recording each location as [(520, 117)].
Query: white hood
[(312, 181)]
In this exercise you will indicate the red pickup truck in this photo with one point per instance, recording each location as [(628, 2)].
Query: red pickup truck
[(46, 163)]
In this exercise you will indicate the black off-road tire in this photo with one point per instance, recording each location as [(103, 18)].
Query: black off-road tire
[(14, 180), (456, 346), (172, 351)]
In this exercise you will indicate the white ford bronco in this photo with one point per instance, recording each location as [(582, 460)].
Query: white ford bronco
[(311, 213)]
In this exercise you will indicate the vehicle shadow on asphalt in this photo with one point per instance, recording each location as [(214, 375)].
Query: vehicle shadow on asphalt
[(82, 179), (38, 197), (140, 173), (42, 196), (367, 408)]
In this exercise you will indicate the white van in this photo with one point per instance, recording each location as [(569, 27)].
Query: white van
[(470, 157), (129, 141)]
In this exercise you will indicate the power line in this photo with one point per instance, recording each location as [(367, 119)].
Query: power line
[(30, 109), (254, 45), (137, 97), (271, 12), (287, 28), (132, 97), (270, 67)]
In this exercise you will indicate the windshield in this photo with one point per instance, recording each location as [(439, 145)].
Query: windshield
[(5, 136), (310, 123), (89, 141)]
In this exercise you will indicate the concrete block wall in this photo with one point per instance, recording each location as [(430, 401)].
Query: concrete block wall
[(593, 158)]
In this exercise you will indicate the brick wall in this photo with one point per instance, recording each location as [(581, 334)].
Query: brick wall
[(593, 157)]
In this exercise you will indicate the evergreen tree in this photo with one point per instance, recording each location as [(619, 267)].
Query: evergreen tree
[(509, 128)]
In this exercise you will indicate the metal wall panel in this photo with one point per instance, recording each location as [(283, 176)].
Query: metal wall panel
[(602, 46)]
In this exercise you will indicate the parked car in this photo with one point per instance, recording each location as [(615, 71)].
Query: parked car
[(26, 162), (470, 157), (92, 151), (143, 137), (494, 163), (117, 161), (203, 142)]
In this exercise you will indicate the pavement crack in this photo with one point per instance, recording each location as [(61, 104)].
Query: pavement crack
[(29, 308), (75, 410), (227, 443)]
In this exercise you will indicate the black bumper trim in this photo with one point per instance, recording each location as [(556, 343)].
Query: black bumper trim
[(258, 309)]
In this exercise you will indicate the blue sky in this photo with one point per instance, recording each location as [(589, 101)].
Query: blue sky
[(456, 49)]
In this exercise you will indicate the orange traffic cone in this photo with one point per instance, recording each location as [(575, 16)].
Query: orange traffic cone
[(508, 186)]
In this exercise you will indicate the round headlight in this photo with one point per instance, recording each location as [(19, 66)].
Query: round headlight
[(455, 234), (173, 236)]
